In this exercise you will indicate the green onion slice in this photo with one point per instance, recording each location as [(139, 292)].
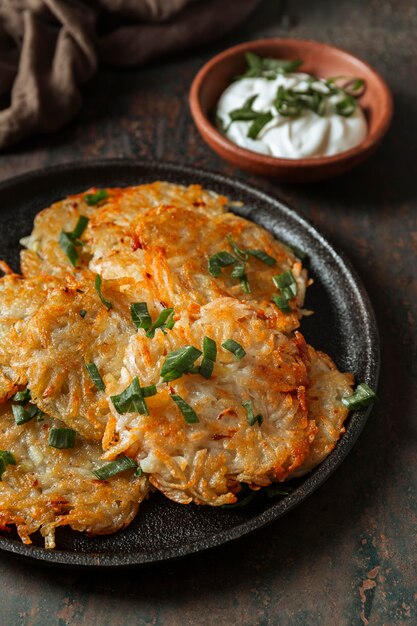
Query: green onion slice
[(97, 284), (241, 254), (258, 124), (139, 472), (149, 391), (113, 468), (286, 283), (238, 270), (131, 400), (252, 419), (189, 414), (206, 368), (22, 415), (178, 362), (80, 227), (83, 313), (68, 247), (62, 438), (234, 347), (164, 320), (6, 458), (95, 376), (219, 260), (282, 303), (362, 397), (94, 198), (22, 397), (209, 348), (263, 256), (140, 315)]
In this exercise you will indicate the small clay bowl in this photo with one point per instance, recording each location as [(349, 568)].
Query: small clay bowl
[(319, 59)]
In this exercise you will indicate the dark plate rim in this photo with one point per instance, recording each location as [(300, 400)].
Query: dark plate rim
[(315, 479)]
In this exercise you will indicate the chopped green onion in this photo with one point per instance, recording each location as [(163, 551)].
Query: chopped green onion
[(234, 347), (286, 283), (298, 252), (80, 227), (219, 260), (164, 320), (346, 106), (275, 489), (139, 472), (22, 397), (206, 368), (244, 283), (68, 247), (62, 438), (140, 315), (252, 419), (189, 414), (282, 303), (94, 198), (209, 348), (178, 362), (22, 415), (238, 270), (149, 391), (6, 458), (113, 468), (97, 284), (95, 376), (241, 254), (258, 124), (263, 256), (362, 397), (267, 67), (131, 400), (83, 313)]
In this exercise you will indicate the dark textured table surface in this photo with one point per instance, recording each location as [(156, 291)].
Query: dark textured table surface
[(348, 554)]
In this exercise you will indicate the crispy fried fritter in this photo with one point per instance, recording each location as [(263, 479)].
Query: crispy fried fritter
[(48, 487), (205, 461)]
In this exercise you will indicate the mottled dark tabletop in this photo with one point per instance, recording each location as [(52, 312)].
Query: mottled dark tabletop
[(348, 554)]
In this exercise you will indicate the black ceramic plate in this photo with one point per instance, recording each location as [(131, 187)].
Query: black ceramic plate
[(343, 326)]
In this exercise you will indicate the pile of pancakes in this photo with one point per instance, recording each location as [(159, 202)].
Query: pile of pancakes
[(265, 413)]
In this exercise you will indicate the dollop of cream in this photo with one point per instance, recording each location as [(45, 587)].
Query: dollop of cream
[(307, 135)]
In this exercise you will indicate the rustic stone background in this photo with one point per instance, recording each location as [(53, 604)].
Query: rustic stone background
[(348, 554)]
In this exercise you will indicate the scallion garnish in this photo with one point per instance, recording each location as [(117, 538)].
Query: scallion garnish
[(68, 247), (149, 391), (286, 283), (262, 256), (179, 362), (139, 472), (6, 458), (219, 260), (95, 376), (189, 414), (80, 227), (361, 398), (234, 347), (209, 357), (252, 419), (282, 303), (97, 284), (83, 313), (241, 254), (62, 438), (69, 241), (131, 400), (94, 198), (22, 397), (258, 124), (22, 415), (113, 468), (164, 320), (140, 315), (264, 67)]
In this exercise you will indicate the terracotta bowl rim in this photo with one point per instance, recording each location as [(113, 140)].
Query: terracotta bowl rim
[(206, 127)]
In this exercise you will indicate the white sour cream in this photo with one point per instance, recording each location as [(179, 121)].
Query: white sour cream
[(307, 135)]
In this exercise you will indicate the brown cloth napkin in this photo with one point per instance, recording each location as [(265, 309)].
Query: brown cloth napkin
[(50, 48)]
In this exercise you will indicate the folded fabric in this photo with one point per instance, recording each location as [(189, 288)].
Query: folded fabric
[(50, 48)]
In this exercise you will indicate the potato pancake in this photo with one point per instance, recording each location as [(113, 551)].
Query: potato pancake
[(48, 487)]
